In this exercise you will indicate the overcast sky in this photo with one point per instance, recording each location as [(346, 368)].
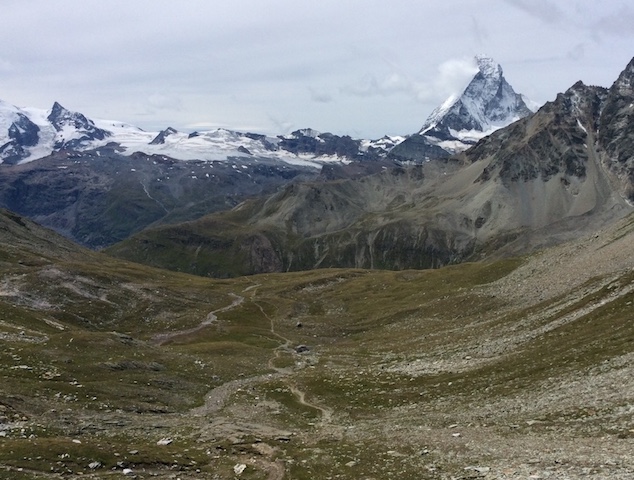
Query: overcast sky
[(362, 68)]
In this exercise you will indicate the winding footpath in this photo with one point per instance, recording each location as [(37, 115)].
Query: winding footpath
[(163, 338), (216, 399)]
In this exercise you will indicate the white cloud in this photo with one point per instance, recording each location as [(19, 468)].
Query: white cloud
[(451, 78), (454, 75)]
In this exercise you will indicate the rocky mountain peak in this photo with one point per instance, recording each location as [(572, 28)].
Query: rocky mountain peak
[(487, 104), (581, 100), (615, 132), (60, 117), (625, 82), (73, 128)]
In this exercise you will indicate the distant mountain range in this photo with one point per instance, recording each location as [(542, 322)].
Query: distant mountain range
[(548, 177), (27, 134), (541, 178), (488, 103)]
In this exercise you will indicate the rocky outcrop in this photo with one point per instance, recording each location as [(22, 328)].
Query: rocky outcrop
[(615, 132), (558, 139), (163, 134)]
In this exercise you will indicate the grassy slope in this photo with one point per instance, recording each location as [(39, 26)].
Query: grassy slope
[(395, 360)]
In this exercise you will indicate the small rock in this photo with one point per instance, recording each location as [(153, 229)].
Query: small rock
[(76, 441), (238, 468), (480, 470), (164, 441), (351, 464), (456, 435), (302, 349), (94, 465), (127, 471), (133, 452)]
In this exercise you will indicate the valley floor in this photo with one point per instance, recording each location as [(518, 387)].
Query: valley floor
[(516, 369)]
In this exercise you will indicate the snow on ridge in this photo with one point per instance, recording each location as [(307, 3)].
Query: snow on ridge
[(8, 115), (60, 128), (387, 142), (439, 113), (213, 145), (531, 104)]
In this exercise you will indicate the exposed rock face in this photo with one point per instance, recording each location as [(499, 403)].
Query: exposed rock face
[(557, 139), (261, 254), (315, 143), (616, 134), (417, 148), (30, 134), (160, 138), (487, 102), (22, 133)]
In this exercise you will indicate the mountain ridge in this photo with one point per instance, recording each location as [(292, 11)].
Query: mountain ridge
[(30, 134), (538, 181)]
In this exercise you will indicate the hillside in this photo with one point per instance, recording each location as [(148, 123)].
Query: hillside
[(101, 197), (486, 370)]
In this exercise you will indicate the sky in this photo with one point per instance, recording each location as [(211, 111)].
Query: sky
[(360, 68)]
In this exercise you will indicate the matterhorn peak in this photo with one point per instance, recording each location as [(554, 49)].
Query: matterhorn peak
[(488, 103)]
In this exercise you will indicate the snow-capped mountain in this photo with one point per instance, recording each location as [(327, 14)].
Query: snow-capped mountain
[(27, 134), (74, 130), (487, 104)]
